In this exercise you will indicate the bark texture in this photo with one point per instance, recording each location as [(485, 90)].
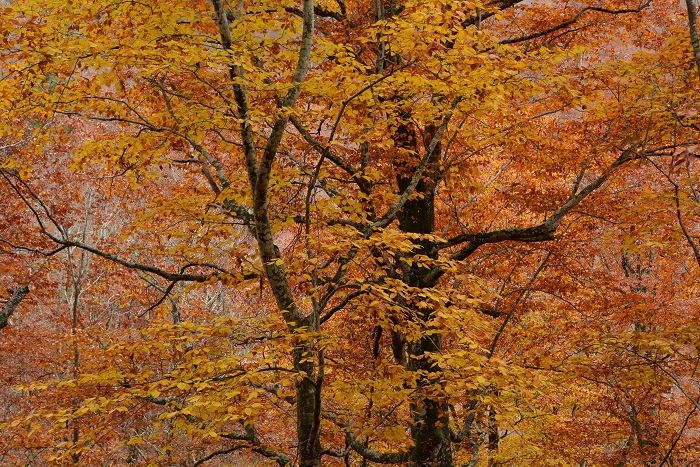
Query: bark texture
[(17, 295), (430, 429)]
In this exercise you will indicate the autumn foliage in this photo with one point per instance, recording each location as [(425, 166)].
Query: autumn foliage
[(350, 232)]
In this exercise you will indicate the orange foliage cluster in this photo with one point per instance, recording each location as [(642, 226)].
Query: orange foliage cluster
[(347, 232)]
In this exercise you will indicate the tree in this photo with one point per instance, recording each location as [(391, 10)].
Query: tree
[(387, 232)]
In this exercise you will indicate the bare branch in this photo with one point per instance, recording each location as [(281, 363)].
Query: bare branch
[(510, 313), (542, 232), (686, 234), (343, 303), (221, 452), (574, 19), (324, 151)]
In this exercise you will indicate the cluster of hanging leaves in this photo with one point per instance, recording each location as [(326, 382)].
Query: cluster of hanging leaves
[(559, 277)]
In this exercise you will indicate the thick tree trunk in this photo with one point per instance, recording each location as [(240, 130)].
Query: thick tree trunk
[(308, 388), (430, 430), (309, 450)]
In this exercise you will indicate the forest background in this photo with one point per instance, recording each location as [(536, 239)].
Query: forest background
[(349, 232)]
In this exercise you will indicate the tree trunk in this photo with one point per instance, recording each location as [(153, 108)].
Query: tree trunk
[(308, 408), (430, 430), (17, 295)]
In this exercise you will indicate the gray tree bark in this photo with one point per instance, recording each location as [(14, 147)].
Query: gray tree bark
[(693, 29), (17, 295)]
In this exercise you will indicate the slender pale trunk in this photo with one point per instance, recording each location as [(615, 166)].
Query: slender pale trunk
[(260, 168), (76, 278)]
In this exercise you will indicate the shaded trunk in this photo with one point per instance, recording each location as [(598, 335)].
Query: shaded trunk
[(430, 430), (307, 397), (17, 295), (494, 438)]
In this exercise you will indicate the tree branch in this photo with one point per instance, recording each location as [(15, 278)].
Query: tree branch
[(495, 7), (282, 460), (686, 234), (542, 232), (218, 453), (9, 307), (240, 94), (320, 10), (575, 18), (375, 456), (323, 151), (269, 253)]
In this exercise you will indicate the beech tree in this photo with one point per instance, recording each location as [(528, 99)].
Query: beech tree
[(427, 233)]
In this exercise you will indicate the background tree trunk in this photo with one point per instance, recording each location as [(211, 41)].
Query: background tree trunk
[(17, 295)]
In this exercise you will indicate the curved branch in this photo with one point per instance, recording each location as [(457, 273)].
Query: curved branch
[(574, 19), (539, 233), (218, 453), (686, 234), (240, 93), (343, 303), (257, 445), (375, 456), (171, 276), (269, 253), (64, 242)]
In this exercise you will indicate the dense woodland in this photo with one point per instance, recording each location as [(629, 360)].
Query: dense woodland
[(350, 232)]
